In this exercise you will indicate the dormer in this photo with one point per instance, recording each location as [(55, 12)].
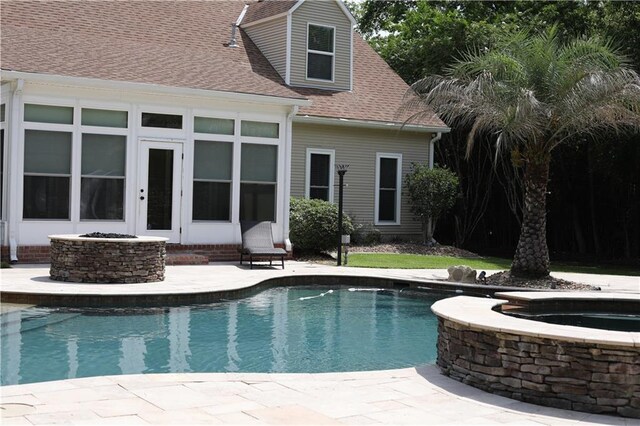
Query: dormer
[(308, 42)]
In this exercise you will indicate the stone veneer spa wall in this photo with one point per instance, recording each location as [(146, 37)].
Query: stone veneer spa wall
[(107, 260), (590, 370)]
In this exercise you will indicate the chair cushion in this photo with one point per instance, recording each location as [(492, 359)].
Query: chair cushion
[(265, 251)]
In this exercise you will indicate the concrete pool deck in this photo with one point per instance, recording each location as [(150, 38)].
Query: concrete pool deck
[(408, 396)]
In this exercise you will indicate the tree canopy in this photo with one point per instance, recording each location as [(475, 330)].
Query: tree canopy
[(534, 93)]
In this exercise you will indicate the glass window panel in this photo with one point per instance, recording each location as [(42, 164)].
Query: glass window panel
[(320, 66), (388, 172), (102, 199), (46, 197), (257, 202), (104, 118), (320, 38), (319, 193), (2, 112), (165, 121), (48, 114), (103, 155), (387, 205), (319, 174), (211, 201), (2, 179), (218, 126), (260, 129), (160, 189), (213, 160), (259, 163), (47, 152)]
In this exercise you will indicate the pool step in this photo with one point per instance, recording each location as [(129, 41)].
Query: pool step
[(186, 259)]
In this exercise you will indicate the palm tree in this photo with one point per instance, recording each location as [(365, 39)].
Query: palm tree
[(533, 93)]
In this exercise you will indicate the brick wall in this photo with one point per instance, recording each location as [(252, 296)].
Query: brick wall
[(214, 252), (569, 375)]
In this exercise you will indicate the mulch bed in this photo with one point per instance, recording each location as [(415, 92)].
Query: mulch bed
[(551, 283), (414, 248)]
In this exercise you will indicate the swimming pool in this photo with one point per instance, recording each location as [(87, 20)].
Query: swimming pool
[(285, 329)]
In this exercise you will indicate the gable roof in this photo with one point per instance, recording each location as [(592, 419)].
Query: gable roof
[(181, 44), (267, 9), (377, 93), (262, 10)]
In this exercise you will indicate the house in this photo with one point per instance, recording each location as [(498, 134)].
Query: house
[(179, 119)]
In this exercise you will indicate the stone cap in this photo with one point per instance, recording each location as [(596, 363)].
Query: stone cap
[(478, 313), (77, 237), (582, 296)]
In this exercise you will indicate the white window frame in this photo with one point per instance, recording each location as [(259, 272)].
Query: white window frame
[(280, 161), (398, 157), (73, 175), (307, 181), (212, 137), (320, 52), (109, 131)]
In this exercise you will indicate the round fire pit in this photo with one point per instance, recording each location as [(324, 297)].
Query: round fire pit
[(107, 260)]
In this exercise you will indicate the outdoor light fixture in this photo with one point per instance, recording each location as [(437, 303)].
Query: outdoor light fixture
[(341, 169)]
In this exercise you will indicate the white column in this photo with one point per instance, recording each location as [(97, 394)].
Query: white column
[(288, 146), (14, 122)]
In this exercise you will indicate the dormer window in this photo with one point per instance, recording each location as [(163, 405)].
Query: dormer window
[(320, 52)]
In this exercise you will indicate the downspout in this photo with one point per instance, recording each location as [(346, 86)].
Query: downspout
[(288, 144), (14, 127), (432, 148)]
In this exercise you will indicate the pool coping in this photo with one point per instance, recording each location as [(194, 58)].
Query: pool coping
[(481, 314)]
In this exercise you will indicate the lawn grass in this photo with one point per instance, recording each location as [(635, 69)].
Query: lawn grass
[(417, 261)]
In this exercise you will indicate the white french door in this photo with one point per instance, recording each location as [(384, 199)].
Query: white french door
[(160, 190)]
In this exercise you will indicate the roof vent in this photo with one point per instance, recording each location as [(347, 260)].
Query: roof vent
[(234, 27), (233, 42)]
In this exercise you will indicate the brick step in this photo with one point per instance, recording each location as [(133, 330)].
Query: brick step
[(186, 259)]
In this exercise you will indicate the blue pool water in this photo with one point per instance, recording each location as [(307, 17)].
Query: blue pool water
[(295, 329)]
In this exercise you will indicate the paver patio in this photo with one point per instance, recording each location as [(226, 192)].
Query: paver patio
[(418, 395)]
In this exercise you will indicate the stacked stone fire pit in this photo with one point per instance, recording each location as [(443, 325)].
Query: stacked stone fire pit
[(107, 258)]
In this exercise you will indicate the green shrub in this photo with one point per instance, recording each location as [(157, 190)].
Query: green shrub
[(431, 193), (366, 235), (313, 225)]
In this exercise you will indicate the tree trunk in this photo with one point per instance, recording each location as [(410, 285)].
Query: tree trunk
[(531, 259)]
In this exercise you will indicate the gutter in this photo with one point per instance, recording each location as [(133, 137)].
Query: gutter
[(370, 124), (127, 86)]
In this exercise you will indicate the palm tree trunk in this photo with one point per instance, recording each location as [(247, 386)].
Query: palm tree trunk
[(531, 259)]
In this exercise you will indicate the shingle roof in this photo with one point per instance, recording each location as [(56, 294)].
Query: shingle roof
[(169, 43), (180, 44), (266, 8)]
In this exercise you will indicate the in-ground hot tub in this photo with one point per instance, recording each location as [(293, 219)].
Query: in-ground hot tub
[(563, 366), (107, 260)]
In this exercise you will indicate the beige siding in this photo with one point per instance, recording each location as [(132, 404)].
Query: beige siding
[(271, 39), (322, 13), (358, 148)]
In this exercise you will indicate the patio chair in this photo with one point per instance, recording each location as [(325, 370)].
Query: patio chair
[(257, 241)]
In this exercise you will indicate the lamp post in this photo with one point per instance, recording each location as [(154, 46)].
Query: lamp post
[(341, 169)]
